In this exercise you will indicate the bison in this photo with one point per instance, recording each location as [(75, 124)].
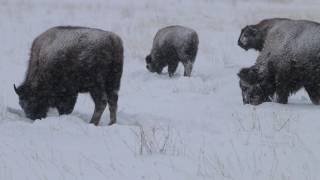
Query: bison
[(288, 61), (172, 45), (253, 36), (67, 60)]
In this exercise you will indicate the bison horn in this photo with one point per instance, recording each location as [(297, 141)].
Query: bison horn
[(16, 89)]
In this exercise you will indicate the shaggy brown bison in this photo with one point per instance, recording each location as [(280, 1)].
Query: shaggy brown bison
[(289, 60), (65, 61), (172, 45), (253, 36)]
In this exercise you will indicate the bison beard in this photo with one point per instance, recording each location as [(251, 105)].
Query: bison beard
[(66, 61)]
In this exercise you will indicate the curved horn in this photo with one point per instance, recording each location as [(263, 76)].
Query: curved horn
[(16, 89)]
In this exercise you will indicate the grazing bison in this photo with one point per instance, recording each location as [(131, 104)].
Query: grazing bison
[(253, 36), (172, 45), (65, 61), (288, 61), (256, 88)]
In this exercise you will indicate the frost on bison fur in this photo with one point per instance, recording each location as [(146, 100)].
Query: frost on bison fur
[(172, 45), (253, 36), (65, 61), (288, 61)]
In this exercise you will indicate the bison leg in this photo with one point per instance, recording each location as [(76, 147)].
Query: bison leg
[(313, 93), (282, 98), (172, 67), (187, 68), (113, 105), (282, 94), (282, 86), (100, 102), (66, 104)]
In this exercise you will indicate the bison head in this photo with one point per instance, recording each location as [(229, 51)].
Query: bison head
[(34, 105), (251, 38), (255, 89), (153, 65)]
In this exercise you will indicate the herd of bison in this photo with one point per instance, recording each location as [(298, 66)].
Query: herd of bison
[(68, 60)]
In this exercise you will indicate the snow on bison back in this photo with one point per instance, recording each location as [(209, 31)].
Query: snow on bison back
[(67, 60), (171, 45), (288, 61)]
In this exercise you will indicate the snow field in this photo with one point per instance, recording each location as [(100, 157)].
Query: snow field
[(178, 128)]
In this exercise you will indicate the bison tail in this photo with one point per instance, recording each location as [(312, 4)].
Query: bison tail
[(192, 48)]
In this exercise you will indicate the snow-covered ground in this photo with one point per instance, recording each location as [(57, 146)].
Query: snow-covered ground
[(168, 128)]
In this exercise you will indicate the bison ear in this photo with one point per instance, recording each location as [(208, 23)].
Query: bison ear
[(249, 75), (148, 59)]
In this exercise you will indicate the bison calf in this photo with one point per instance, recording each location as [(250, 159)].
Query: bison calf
[(65, 61), (172, 45)]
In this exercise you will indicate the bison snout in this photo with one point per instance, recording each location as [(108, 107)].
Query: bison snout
[(34, 117), (243, 43), (148, 66), (239, 43)]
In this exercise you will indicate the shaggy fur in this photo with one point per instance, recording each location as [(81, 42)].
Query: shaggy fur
[(172, 45), (65, 61), (289, 60), (253, 36)]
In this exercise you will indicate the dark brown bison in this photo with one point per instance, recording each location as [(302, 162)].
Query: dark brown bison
[(289, 60), (172, 45), (253, 36), (65, 61)]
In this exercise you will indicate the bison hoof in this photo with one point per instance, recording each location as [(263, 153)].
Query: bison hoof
[(96, 123), (315, 102)]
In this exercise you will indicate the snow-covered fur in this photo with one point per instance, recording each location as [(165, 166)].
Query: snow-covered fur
[(172, 45), (65, 61), (253, 36), (288, 61)]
